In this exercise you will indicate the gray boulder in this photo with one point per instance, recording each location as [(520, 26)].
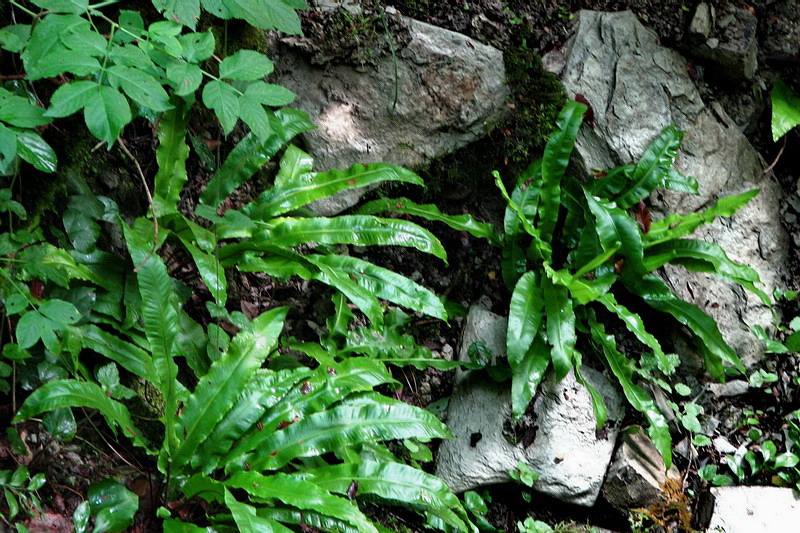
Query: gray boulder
[(559, 441), (725, 40), (636, 88), (449, 89), (749, 509)]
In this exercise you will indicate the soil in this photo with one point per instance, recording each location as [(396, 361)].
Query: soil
[(518, 27)]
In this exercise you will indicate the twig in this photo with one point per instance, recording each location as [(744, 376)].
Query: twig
[(777, 157), (149, 199)]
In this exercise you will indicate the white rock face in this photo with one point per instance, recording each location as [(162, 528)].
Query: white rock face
[(566, 451), (636, 88), (449, 88), (755, 510)]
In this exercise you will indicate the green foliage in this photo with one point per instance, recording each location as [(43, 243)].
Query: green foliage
[(19, 492), (785, 109), (567, 245), (111, 505)]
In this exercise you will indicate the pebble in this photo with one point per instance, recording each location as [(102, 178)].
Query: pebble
[(447, 352)]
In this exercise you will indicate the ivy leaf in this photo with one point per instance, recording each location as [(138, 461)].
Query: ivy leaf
[(186, 12), (224, 100), (245, 65), (108, 114), (185, 77), (33, 149), (63, 6), (140, 87), (270, 94), (785, 109), (14, 37)]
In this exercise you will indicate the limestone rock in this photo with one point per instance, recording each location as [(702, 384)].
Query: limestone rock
[(564, 447), (637, 474), (449, 89), (725, 40), (636, 88), (749, 509)]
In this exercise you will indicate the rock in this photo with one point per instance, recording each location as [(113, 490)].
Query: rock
[(749, 509), (736, 387), (566, 451), (637, 475), (725, 41), (449, 88), (484, 327), (636, 88), (781, 38)]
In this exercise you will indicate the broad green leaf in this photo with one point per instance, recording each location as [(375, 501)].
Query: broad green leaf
[(73, 393), (245, 517), (140, 87), (14, 37), (224, 100), (250, 154), (706, 257), (633, 322), (217, 391), (253, 114), (46, 56), (8, 148), (173, 525), (785, 109), (524, 317), (598, 403), (610, 184), (542, 248), (677, 226), (197, 47), (349, 229), (658, 296), (33, 149), (585, 291), (302, 495), (267, 15), (560, 326), (84, 39), (132, 25), (527, 375), (554, 164), (346, 425), (622, 368), (270, 94), (431, 212), (30, 329), (82, 230), (616, 229), (676, 181), (186, 12), (171, 156), (393, 482), (113, 506), (75, 7), (107, 113), (18, 111), (294, 164), (60, 311), (212, 273), (71, 98), (652, 168), (245, 65), (128, 355), (314, 186), (385, 284)]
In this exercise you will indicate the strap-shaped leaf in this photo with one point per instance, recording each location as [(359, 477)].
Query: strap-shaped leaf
[(542, 249), (634, 324), (250, 154), (675, 181), (652, 168), (466, 223), (358, 230), (613, 182), (265, 389), (294, 163), (560, 326), (212, 273), (527, 375), (622, 368), (301, 494), (171, 156), (227, 378), (245, 517), (394, 482), (598, 404), (129, 356), (73, 393), (658, 296), (320, 521), (556, 156), (346, 426), (677, 226), (384, 283), (588, 290), (617, 230), (317, 185), (705, 257), (524, 317)]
